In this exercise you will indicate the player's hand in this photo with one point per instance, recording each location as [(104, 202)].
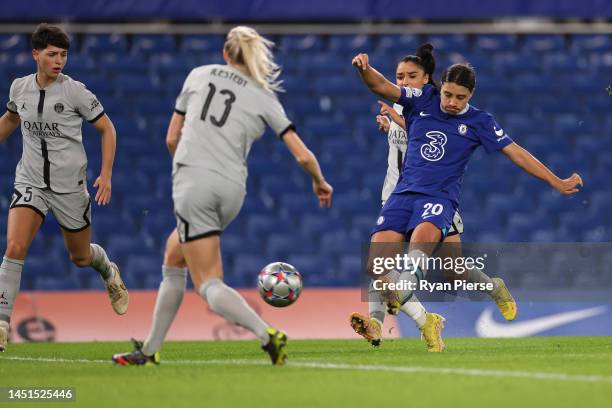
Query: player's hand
[(323, 190), (569, 185), (361, 61), (391, 113), (383, 123), (386, 109), (103, 184)]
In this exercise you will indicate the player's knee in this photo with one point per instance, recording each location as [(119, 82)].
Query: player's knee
[(80, 260), (173, 256), (16, 249)]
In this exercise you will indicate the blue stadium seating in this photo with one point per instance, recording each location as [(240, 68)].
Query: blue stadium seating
[(198, 44), (104, 43), (496, 42), (406, 43), (545, 90)]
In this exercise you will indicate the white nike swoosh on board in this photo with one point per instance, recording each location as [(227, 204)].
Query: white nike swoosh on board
[(487, 327), (424, 114)]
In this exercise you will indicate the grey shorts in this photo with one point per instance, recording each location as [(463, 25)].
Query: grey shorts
[(71, 210), (205, 202)]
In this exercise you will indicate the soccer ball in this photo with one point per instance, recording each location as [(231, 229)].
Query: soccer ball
[(279, 284)]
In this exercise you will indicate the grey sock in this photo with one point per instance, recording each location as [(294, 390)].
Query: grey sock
[(376, 308), (228, 303), (477, 276), (99, 261), (169, 299), (10, 278)]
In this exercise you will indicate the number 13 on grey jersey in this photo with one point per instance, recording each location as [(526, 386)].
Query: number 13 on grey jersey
[(225, 112)]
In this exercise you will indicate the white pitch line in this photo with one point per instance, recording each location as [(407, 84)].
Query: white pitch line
[(469, 372), (54, 360)]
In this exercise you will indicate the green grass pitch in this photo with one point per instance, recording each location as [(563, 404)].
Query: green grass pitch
[(531, 372)]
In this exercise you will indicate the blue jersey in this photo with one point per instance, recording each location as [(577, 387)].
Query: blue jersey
[(440, 145)]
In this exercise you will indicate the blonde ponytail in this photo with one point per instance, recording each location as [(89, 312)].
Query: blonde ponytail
[(245, 46)]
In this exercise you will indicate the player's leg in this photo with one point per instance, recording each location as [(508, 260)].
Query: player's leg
[(169, 299), (83, 254), (203, 258), (414, 309), (170, 295), (451, 248), (370, 327), (422, 243), (26, 214), (422, 246), (204, 262), (383, 244), (73, 213), (23, 224)]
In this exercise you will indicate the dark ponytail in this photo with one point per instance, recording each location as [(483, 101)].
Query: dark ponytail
[(460, 74), (425, 59)]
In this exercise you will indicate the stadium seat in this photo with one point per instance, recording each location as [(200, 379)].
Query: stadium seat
[(591, 43), (450, 43), (13, 43), (349, 45), (199, 44), (538, 43), (121, 246), (153, 43), (496, 43), (139, 266), (280, 246), (301, 43), (350, 271), (104, 43), (405, 43), (46, 266), (314, 268)]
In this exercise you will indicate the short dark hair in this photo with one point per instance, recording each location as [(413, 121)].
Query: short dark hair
[(46, 35), (460, 74), (425, 59)]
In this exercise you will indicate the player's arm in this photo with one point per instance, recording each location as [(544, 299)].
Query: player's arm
[(533, 166), (174, 132), (109, 146), (8, 123), (308, 161), (374, 80)]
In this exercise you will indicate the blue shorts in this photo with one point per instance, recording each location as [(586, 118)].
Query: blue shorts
[(404, 211)]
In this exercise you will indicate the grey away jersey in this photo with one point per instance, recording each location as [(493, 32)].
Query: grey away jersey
[(53, 154), (398, 142), (225, 112)]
